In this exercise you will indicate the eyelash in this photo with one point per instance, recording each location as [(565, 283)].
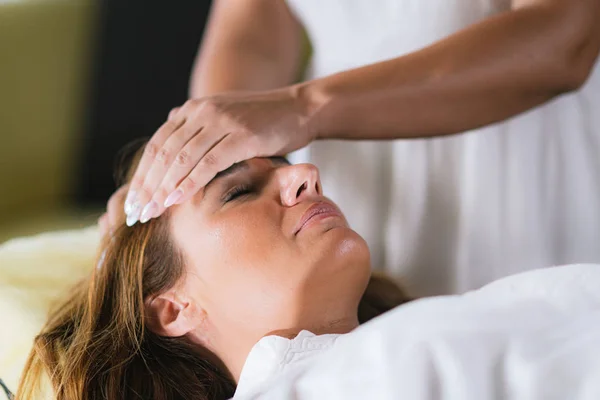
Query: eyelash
[(236, 192)]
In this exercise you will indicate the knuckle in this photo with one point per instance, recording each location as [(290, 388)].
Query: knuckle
[(137, 182), (191, 104), (210, 106), (163, 156), (151, 149), (173, 112), (210, 160), (183, 158), (189, 184)]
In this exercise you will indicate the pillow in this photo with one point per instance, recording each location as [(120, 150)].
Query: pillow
[(35, 272)]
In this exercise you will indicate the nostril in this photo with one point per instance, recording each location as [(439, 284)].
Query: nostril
[(300, 189), (317, 188)]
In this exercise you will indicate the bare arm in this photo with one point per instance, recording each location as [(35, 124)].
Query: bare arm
[(490, 71), (248, 45)]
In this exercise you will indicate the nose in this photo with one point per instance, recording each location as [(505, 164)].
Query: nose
[(298, 182)]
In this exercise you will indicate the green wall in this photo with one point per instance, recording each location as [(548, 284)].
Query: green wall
[(45, 50)]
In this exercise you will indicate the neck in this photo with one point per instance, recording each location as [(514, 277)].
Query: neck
[(337, 326)]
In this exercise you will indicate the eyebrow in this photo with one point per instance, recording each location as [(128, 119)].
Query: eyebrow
[(243, 166)]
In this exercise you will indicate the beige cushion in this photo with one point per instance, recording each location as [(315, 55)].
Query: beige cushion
[(35, 272)]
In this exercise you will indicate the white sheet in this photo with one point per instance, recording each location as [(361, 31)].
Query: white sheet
[(533, 336)]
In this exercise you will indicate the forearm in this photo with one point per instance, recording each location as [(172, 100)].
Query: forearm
[(248, 45), (483, 74), (232, 70)]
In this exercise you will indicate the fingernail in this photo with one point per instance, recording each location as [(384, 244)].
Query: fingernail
[(129, 201), (173, 197), (136, 206), (134, 215), (148, 211)]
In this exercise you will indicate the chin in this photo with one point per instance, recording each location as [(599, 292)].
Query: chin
[(347, 264), (333, 246), (348, 248)]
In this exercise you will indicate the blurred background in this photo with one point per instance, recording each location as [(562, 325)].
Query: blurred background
[(78, 80)]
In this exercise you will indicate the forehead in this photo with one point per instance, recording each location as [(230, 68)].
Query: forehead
[(245, 165)]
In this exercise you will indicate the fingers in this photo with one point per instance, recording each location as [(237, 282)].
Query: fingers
[(103, 224), (115, 207), (167, 156), (153, 150), (187, 152), (223, 155), (114, 214), (173, 112), (178, 156), (185, 161), (157, 158)]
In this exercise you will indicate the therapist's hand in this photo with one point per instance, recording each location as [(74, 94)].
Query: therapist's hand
[(208, 135), (114, 212)]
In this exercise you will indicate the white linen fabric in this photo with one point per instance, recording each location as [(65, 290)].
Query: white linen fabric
[(273, 355), (532, 336), (452, 214)]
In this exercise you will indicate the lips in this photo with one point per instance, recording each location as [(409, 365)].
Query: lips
[(318, 210)]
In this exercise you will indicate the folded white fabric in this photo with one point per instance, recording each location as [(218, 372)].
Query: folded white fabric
[(533, 336), (273, 355)]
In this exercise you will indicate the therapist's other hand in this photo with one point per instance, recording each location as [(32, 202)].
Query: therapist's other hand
[(114, 211), (208, 135)]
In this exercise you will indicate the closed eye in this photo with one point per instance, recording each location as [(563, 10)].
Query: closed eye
[(236, 192)]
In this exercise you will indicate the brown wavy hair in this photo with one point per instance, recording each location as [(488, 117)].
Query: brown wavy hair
[(96, 344)]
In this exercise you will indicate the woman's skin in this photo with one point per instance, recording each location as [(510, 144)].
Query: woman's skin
[(250, 255), (492, 70)]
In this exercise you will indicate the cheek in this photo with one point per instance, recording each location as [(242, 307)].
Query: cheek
[(245, 239), (243, 255)]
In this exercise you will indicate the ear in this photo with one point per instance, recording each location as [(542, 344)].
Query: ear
[(170, 314)]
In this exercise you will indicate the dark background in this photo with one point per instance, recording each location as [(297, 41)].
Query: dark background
[(141, 67)]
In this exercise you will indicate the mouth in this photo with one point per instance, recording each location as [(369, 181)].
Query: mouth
[(317, 212)]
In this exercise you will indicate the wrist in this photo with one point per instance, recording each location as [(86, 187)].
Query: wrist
[(312, 100)]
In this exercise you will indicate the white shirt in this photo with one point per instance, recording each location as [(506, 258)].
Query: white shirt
[(273, 355), (533, 336), (451, 214)]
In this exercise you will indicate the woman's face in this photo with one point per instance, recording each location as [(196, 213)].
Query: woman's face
[(266, 251)]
